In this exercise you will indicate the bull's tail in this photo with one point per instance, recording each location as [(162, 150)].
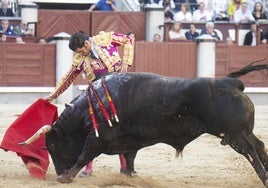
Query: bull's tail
[(249, 68)]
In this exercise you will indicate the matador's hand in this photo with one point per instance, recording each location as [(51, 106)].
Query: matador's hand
[(124, 67), (48, 98)]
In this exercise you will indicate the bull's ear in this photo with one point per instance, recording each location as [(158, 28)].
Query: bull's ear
[(52, 136), (69, 105)]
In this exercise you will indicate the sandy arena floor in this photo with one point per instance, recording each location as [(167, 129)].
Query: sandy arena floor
[(205, 163)]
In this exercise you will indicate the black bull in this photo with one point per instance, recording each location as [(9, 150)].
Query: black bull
[(156, 109)]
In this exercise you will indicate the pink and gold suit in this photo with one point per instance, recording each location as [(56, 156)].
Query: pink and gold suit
[(104, 47)]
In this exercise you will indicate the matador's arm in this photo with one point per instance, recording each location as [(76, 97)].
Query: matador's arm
[(68, 79), (128, 44)]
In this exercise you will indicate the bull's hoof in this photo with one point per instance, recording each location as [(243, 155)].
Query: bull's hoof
[(64, 179), (127, 172)]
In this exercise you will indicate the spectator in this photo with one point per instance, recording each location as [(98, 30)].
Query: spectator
[(243, 15), (258, 12), (42, 40), (6, 28), (210, 31), (184, 14), (104, 5), (251, 4), (168, 5), (251, 36), (156, 38), (201, 14), (3, 37), (209, 8), (175, 33), (233, 5), (192, 34), (193, 4), (5, 11), (23, 29), (220, 9)]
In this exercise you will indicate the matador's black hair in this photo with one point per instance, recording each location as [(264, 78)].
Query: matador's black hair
[(77, 40)]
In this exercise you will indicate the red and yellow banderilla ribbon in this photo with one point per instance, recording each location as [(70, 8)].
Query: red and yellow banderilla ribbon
[(101, 105), (92, 115), (109, 98)]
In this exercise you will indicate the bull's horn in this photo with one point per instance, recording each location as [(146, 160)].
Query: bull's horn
[(39, 133)]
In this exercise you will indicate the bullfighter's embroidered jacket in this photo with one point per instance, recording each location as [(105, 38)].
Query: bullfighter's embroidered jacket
[(104, 57)]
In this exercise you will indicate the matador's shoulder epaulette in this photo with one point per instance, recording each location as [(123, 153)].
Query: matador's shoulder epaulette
[(103, 38)]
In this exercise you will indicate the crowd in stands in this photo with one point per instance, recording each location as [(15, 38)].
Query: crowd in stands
[(17, 31), (210, 12), (176, 33), (177, 11), (238, 11)]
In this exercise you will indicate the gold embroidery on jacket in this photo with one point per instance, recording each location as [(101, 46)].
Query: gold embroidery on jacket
[(88, 69), (107, 59), (65, 82), (103, 38)]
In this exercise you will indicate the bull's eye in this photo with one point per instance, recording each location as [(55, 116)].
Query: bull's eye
[(52, 146)]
